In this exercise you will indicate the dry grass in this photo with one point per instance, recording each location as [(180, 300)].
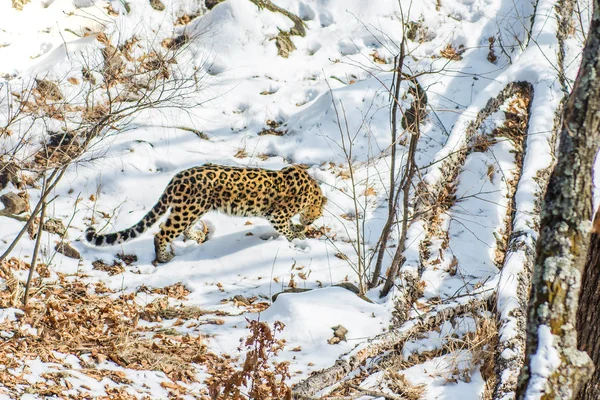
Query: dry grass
[(259, 378), (517, 116), (481, 143), (398, 383), (479, 344), (241, 153), (484, 354)]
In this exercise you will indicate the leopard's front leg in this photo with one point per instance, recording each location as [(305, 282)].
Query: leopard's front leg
[(197, 235), (284, 226), (299, 228)]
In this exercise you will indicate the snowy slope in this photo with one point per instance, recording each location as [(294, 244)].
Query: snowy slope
[(328, 99)]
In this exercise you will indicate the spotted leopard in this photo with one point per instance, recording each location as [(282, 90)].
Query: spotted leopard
[(274, 195)]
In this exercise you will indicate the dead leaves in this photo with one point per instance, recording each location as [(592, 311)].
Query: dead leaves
[(48, 90), (272, 129), (186, 19), (114, 269), (450, 53), (315, 233), (241, 153), (378, 58), (177, 291), (160, 309), (14, 264), (71, 318), (251, 304), (370, 191)]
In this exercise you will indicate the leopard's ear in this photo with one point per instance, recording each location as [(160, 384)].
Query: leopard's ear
[(323, 200)]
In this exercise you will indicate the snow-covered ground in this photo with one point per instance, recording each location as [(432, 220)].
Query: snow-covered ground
[(330, 100)]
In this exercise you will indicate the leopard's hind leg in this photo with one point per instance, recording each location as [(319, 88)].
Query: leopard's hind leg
[(174, 226), (161, 247), (181, 220), (194, 209)]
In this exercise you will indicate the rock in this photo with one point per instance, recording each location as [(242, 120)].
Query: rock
[(365, 298), (339, 334), (55, 225), (334, 340), (241, 299), (354, 289), (13, 203), (340, 331), (68, 250), (9, 173), (348, 286), (210, 4), (157, 5), (52, 225)]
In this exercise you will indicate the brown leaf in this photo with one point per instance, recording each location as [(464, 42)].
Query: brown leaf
[(370, 192), (169, 385)]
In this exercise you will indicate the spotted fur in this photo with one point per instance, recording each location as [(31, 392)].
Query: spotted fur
[(274, 195)]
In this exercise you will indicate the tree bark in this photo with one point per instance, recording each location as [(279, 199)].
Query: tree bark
[(588, 315), (554, 368)]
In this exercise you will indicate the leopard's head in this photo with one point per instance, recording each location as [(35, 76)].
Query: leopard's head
[(313, 211)]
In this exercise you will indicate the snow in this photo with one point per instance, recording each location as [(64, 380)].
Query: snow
[(309, 327), (9, 314), (331, 98), (442, 380), (449, 377), (543, 364)]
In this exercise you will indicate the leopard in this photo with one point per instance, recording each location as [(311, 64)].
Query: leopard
[(276, 195)]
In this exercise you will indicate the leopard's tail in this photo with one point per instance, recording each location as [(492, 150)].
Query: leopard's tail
[(149, 219)]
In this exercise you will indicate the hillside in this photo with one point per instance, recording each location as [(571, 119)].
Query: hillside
[(442, 111)]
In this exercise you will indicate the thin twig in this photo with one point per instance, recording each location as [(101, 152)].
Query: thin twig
[(36, 248)]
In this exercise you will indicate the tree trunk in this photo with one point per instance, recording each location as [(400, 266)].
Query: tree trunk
[(309, 387), (588, 315), (554, 368)]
